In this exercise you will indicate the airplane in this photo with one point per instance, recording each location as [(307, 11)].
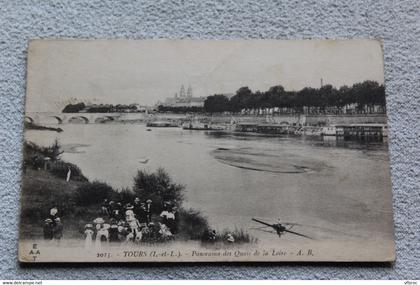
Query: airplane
[(279, 228)]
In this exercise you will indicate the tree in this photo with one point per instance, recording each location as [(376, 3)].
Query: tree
[(158, 187), (216, 103), (74, 108), (365, 94), (368, 93), (241, 99)]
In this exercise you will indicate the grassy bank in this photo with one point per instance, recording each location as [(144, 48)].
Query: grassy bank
[(79, 201)]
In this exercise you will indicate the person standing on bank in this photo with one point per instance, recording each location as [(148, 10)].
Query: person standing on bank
[(149, 211), (48, 229), (53, 214), (142, 215), (137, 207), (68, 174), (104, 208), (58, 229), (168, 219)]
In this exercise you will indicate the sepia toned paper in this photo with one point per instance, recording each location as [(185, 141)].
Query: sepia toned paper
[(205, 151)]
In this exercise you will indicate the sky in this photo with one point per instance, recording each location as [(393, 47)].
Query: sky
[(145, 71)]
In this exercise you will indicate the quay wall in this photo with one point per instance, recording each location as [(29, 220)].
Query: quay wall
[(92, 118), (346, 119), (302, 119)]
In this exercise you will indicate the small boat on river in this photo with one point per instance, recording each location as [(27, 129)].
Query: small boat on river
[(202, 127), (162, 124)]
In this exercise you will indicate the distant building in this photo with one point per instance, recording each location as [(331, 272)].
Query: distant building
[(185, 99)]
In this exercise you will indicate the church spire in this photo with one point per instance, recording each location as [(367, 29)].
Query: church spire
[(189, 92), (182, 91)]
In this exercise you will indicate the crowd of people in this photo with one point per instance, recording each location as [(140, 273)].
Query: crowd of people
[(121, 223), (132, 222)]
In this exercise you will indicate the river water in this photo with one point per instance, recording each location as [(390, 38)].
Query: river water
[(336, 190)]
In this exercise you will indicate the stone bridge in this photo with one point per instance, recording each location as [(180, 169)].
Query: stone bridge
[(43, 118)]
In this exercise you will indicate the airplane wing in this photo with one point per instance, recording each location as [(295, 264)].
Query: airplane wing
[(302, 235), (261, 222), (266, 231)]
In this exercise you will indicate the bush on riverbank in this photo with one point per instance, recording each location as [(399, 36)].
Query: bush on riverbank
[(192, 224), (31, 150), (93, 193), (158, 187)]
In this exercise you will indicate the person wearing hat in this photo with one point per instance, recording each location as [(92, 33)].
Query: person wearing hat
[(152, 231), (129, 215), (104, 207), (128, 206), (212, 235), (168, 218), (137, 207), (48, 229), (89, 231), (113, 232), (110, 209), (166, 205), (141, 215), (134, 226), (102, 233), (122, 230), (53, 214), (58, 229), (164, 232), (174, 228), (230, 238), (98, 221), (118, 211), (149, 210)]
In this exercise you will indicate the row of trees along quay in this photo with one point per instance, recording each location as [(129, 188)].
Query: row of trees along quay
[(360, 98)]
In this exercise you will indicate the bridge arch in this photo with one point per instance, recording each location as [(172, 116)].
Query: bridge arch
[(59, 120), (78, 120), (103, 119), (29, 120)]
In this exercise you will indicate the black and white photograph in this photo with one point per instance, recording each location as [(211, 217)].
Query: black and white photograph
[(205, 150)]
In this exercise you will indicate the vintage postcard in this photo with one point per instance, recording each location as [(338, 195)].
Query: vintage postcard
[(205, 150)]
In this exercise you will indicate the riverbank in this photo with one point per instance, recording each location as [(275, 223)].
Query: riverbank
[(32, 126), (52, 183)]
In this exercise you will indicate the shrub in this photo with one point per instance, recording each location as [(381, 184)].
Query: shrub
[(158, 187), (124, 196), (53, 151), (93, 193), (192, 224)]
